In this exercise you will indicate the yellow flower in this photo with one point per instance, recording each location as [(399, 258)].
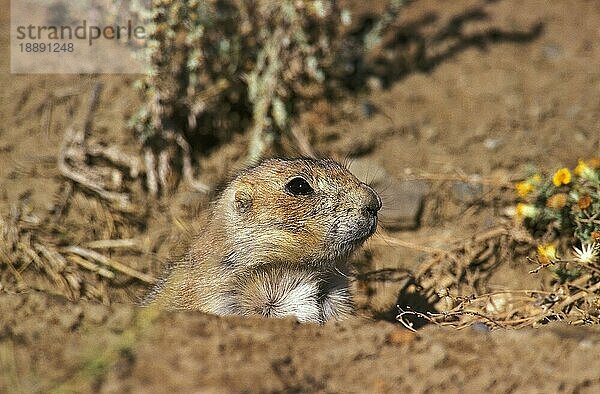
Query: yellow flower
[(585, 171), (523, 188), (581, 167), (561, 177), (526, 211), (546, 253)]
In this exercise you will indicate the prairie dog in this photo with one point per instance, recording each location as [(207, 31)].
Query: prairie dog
[(277, 244)]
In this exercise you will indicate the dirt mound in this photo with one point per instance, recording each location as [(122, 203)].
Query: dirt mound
[(52, 344)]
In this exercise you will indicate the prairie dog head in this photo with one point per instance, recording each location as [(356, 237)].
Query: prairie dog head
[(301, 211)]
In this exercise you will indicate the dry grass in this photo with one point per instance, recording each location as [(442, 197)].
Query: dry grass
[(35, 253), (455, 281)]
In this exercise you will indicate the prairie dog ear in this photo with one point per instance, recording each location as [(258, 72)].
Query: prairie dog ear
[(243, 198)]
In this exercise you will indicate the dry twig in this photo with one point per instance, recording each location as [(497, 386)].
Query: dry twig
[(114, 243), (90, 254)]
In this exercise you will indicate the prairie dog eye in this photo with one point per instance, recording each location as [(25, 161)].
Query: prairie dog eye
[(299, 186)]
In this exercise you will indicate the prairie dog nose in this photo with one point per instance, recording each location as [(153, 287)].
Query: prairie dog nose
[(371, 200)]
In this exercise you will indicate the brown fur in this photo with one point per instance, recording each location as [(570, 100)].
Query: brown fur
[(268, 252)]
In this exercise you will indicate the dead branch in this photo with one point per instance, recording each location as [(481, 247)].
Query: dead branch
[(90, 254), (164, 170), (82, 177), (387, 240), (459, 246), (92, 105), (151, 177), (114, 243), (188, 172), (114, 155), (473, 179), (92, 267), (186, 152)]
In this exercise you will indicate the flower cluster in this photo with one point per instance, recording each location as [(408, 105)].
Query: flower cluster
[(566, 204)]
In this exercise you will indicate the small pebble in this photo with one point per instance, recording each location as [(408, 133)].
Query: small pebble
[(402, 203), (374, 83), (552, 51), (492, 143), (480, 327), (467, 192)]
